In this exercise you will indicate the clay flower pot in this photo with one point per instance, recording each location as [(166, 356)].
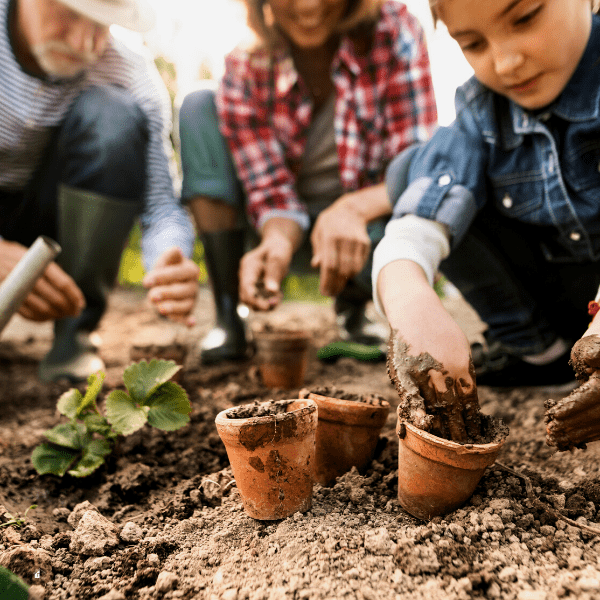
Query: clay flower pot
[(347, 433), (271, 449), (282, 357), (437, 476)]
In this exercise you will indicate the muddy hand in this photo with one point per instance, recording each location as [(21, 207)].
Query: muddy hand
[(585, 356), (429, 398), (574, 421)]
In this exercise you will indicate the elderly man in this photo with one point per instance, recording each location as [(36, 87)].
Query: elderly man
[(84, 129)]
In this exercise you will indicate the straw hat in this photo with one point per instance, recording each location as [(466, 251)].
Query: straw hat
[(136, 15)]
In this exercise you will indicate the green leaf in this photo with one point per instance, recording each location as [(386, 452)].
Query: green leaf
[(51, 459), (94, 386), (97, 424), (11, 586), (141, 379), (124, 414), (169, 407), (66, 434), (68, 404), (93, 457)]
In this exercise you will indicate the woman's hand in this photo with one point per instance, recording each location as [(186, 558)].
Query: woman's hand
[(262, 270), (574, 421), (429, 359), (340, 241), (173, 285), (55, 294), (341, 246)]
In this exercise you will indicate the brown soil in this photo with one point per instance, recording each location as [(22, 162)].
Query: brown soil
[(163, 518), (332, 392)]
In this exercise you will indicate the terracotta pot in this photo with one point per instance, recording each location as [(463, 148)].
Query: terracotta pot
[(271, 455), (282, 357), (437, 476), (347, 435)]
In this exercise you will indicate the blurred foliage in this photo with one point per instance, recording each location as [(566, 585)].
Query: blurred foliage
[(131, 272)]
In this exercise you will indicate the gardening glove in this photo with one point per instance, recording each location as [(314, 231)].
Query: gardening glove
[(449, 410), (575, 420)]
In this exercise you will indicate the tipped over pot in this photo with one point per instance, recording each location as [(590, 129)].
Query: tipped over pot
[(347, 432), (271, 449), (282, 357), (437, 476)]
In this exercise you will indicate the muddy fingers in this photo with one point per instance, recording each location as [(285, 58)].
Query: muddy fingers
[(585, 356), (430, 398), (575, 420)]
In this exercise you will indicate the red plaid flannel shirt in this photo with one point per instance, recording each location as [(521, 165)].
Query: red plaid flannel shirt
[(384, 103)]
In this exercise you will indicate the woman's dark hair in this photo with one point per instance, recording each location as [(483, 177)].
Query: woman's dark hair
[(359, 14)]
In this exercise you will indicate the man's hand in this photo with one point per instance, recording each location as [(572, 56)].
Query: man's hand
[(55, 294), (173, 285), (574, 421), (341, 246), (262, 270)]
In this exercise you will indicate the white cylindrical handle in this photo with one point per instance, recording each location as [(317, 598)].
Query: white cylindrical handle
[(22, 278)]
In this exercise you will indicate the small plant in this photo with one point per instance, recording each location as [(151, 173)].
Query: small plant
[(16, 521), (80, 446)]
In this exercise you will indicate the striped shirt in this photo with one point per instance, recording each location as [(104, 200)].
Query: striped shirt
[(384, 102), (31, 106)]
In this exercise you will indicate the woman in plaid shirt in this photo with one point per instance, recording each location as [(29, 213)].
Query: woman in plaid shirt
[(296, 141)]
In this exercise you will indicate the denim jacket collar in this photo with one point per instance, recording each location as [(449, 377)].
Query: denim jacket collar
[(579, 101)]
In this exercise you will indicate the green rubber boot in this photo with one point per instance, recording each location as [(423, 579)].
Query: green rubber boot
[(92, 231)]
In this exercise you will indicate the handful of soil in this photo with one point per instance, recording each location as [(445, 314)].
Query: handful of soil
[(453, 414), (574, 421)]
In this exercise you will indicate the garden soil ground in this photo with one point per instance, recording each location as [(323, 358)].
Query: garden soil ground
[(163, 518)]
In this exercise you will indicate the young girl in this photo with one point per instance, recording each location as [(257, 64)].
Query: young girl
[(507, 199)]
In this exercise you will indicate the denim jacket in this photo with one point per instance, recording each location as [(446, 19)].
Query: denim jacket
[(542, 167)]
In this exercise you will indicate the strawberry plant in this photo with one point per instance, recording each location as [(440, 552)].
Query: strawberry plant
[(81, 445)]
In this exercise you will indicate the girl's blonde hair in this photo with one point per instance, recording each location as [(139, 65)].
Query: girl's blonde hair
[(358, 13), (436, 16)]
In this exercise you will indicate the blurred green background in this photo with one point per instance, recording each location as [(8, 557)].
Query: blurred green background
[(131, 272)]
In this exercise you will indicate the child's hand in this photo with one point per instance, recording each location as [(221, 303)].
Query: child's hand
[(430, 398), (575, 420)]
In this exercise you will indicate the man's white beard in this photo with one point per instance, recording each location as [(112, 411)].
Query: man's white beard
[(48, 57)]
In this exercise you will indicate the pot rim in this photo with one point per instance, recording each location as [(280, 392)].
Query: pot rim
[(435, 440), (351, 412), (354, 403), (307, 407)]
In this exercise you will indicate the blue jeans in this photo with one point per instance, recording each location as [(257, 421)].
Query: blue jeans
[(208, 171), (100, 147), (513, 276)]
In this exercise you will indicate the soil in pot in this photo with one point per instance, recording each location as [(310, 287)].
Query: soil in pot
[(435, 474), (271, 449), (282, 357), (347, 432)]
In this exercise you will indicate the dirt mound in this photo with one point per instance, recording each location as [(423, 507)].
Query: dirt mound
[(163, 518)]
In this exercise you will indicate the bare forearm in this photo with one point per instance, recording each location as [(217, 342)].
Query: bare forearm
[(369, 203), (401, 284)]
